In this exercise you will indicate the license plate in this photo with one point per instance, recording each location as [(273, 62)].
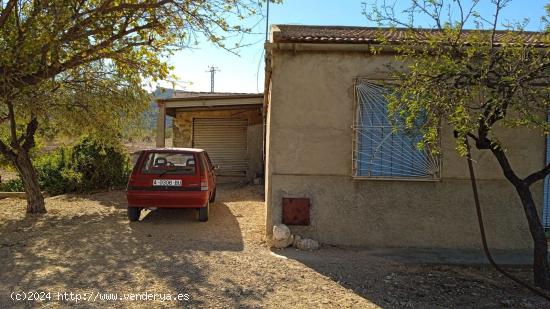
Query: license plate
[(167, 182)]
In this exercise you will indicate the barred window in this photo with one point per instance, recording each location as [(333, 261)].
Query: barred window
[(379, 150)]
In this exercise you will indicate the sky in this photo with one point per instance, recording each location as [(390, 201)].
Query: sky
[(244, 72)]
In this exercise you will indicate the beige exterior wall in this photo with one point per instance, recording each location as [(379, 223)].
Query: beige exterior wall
[(183, 132), (309, 154)]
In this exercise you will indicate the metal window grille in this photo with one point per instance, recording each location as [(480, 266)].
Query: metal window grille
[(379, 150)]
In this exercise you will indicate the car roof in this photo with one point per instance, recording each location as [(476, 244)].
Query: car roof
[(173, 149)]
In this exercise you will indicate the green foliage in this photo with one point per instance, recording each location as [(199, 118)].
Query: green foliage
[(81, 66), (12, 185), (51, 170), (95, 164), (475, 80), (91, 164)]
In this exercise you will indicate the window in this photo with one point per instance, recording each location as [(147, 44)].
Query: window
[(170, 163), (379, 151)]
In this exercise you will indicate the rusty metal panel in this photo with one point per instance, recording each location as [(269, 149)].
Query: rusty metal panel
[(296, 211)]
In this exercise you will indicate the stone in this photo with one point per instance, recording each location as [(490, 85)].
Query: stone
[(281, 232), (280, 244), (296, 239), (307, 244)]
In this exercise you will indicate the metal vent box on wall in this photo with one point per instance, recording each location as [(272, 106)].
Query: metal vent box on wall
[(296, 211)]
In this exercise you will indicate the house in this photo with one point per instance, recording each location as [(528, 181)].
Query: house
[(337, 173), (229, 126)]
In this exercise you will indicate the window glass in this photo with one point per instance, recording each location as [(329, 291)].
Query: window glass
[(382, 150), (171, 163)]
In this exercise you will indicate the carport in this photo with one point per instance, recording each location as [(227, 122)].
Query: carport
[(227, 125)]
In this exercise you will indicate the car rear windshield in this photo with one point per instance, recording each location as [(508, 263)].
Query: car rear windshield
[(172, 163)]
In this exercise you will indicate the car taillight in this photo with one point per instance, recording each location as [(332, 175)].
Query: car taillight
[(204, 185)]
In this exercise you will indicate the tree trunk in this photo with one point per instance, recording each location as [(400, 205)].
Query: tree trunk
[(541, 274), (27, 172)]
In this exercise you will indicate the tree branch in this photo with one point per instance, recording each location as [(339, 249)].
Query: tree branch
[(507, 170), (28, 138), (6, 12), (13, 125), (6, 151), (536, 176)]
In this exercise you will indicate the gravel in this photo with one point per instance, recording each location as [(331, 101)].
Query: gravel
[(85, 244)]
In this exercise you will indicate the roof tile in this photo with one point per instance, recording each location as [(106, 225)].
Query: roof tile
[(374, 35)]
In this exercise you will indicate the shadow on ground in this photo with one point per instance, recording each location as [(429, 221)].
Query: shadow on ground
[(396, 279), (93, 248)]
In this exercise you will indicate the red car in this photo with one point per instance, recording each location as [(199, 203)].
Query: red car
[(171, 178)]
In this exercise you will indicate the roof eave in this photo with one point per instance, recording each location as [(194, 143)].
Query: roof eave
[(213, 98)]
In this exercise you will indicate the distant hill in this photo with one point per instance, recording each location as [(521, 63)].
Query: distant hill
[(150, 116)]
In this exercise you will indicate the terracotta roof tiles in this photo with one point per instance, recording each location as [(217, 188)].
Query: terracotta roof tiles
[(374, 35)]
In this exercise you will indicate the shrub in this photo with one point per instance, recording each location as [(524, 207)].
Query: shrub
[(12, 185), (51, 169), (89, 165), (94, 164)]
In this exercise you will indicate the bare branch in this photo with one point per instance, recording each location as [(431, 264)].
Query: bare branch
[(536, 176)]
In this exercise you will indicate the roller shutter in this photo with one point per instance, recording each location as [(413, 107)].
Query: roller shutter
[(225, 141)]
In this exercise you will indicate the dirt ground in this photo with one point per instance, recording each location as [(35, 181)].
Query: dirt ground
[(85, 245)]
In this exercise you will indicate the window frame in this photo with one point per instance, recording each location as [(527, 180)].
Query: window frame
[(144, 171), (356, 142)]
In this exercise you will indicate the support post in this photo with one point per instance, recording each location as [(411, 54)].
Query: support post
[(161, 125)]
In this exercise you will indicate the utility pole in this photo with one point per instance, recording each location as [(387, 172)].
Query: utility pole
[(212, 71), (267, 22)]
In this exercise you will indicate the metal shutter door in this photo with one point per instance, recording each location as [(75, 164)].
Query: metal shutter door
[(225, 141)]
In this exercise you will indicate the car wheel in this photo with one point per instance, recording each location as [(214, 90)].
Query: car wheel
[(213, 197), (134, 213), (203, 213)]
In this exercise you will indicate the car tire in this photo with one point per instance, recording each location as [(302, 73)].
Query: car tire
[(134, 213), (213, 197), (203, 213)]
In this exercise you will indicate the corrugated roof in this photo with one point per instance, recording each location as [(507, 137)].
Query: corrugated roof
[(373, 35)]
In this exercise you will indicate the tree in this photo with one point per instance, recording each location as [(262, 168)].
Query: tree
[(78, 65), (478, 81)]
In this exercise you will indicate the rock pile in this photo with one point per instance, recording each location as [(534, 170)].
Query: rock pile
[(283, 238), (306, 244)]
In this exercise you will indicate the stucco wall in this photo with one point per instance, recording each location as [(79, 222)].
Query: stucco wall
[(310, 155), (183, 132)]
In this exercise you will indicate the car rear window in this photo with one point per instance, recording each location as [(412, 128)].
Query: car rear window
[(170, 163)]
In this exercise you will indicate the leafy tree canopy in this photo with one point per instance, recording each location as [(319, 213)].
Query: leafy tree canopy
[(477, 80), (473, 78), (77, 64)]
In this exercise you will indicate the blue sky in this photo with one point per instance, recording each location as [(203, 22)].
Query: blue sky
[(244, 72)]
